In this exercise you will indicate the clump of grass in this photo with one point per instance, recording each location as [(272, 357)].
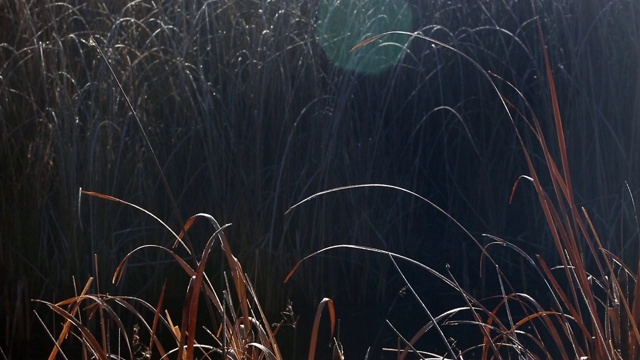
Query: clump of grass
[(246, 328), (238, 99), (237, 327), (594, 307)]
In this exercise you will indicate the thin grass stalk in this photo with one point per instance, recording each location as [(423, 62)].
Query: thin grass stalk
[(270, 335), (576, 259), (488, 342), (563, 235), (556, 227), (146, 139), (432, 320), (124, 301), (67, 326), (87, 336), (153, 338), (615, 283), (549, 325), (409, 348), (442, 318), (194, 298), (425, 309)]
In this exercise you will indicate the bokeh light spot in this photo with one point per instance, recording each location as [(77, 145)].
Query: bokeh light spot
[(342, 24)]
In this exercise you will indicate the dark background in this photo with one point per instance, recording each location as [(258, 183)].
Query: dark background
[(246, 117)]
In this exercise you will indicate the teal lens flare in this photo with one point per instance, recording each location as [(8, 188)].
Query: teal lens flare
[(342, 24)]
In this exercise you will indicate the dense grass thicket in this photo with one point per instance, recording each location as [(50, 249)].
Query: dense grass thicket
[(247, 115)]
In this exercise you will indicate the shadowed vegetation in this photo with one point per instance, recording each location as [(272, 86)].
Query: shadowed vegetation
[(247, 116)]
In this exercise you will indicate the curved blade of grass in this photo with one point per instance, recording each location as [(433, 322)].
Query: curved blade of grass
[(115, 199), (434, 323), (369, 249), (264, 350), (316, 324), (197, 274), (540, 313), (398, 188), (193, 299), (549, 325), (446, 280), (86, 333), (120, 270), (124, 301), (119, 273)]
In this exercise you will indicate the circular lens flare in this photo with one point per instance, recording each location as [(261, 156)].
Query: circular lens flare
[(342, 24)]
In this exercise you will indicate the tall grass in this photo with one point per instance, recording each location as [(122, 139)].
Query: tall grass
[(247, 116), (594, 309), (237, 327)]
